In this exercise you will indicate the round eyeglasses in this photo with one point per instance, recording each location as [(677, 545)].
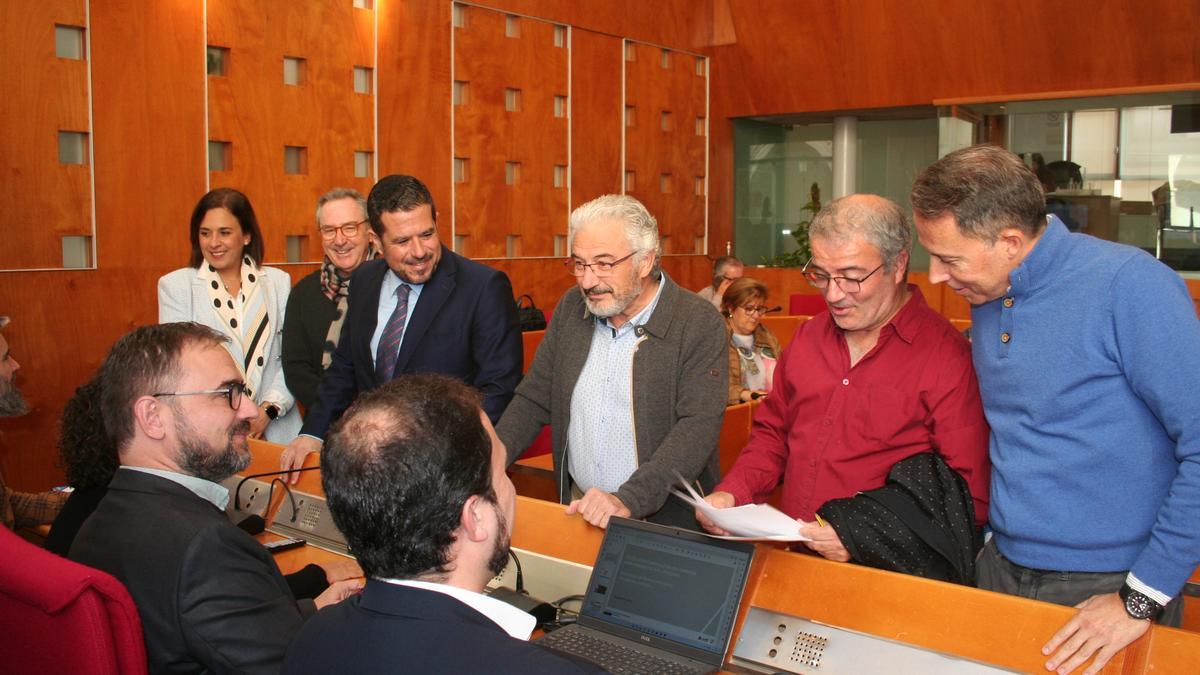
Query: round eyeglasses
[(348, 230)]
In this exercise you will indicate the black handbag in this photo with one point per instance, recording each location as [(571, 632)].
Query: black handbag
[(531, 318)]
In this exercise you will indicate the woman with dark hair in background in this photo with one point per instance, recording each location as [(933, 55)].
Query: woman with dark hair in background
[(226, 288), (753, 349), (89, 458)]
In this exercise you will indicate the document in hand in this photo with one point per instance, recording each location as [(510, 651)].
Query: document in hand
[(746, 522)]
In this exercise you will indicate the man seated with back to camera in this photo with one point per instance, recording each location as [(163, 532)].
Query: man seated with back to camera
[(415, 478), (876, 380)]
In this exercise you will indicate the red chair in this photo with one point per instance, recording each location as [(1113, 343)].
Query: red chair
[(57, 616), (540, 446), (806, 304)]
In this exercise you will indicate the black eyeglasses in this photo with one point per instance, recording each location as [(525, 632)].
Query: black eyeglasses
[(847, 284), (233, 393), (328, 232), (602, 268)]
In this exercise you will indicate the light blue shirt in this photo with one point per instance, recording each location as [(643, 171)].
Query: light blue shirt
[(387, 305), (207, 490), (601, 443)]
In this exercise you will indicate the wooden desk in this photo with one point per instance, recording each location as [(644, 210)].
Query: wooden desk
[(1003, 630)]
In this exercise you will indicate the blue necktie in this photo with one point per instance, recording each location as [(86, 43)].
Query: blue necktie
[(389, 342)]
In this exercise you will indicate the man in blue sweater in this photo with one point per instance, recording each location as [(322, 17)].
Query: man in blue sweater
[(1088, 353)]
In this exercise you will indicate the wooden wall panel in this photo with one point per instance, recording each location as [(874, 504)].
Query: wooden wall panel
[(150, 140), (682, 24), (489, 136), (596, 110), (813, 55), (666, 158), (45, 95), (253, 109), (147, 70), (413, 78), (807, 55)]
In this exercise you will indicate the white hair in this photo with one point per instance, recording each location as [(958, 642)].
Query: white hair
[(641, 229)]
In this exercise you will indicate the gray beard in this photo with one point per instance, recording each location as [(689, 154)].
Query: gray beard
[(200, 460), (619, 303), (12, 403)]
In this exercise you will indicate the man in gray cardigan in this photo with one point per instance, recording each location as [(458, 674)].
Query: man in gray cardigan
[(631, 375)]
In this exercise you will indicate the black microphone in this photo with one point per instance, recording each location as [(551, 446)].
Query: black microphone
[(754, 395), (776, 308)]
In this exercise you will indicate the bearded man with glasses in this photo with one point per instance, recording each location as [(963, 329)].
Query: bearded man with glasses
[(631, 375), (877, 379), (209, 595)]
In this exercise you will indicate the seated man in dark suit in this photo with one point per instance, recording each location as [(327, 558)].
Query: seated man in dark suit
[(210, 597), (421, 309), (415, 479)]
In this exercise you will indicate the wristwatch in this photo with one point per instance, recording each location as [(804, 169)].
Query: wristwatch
[(1139, 605), (272, 411)]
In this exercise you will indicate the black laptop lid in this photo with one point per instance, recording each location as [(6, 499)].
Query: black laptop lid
[(655, 584)]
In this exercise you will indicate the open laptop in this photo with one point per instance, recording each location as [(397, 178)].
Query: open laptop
[(660, 600)]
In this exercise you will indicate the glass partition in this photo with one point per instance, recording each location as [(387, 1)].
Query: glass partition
[(777, 163), (1125, 168)]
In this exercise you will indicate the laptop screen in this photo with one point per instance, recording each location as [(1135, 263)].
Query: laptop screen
[(668, 583)]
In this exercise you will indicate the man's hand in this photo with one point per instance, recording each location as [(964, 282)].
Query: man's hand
[(294, 454), (722, 287), (720, 500), (597, 506), (825, 541), (338, 592), (341, 570), (258, 425), (1101, 627)]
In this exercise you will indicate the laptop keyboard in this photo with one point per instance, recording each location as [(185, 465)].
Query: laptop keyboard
[(613, 657)]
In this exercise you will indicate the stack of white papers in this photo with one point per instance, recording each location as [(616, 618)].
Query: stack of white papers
[(746, 522)]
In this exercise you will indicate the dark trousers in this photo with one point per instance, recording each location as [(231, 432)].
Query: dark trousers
[(994, 572)]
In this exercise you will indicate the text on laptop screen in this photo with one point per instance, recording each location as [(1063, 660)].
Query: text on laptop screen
[(684, 591)]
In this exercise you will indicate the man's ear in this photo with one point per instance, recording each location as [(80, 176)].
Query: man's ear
[(647, 265), (473, 520), (148, 417), (1012, 242), (901, 266)]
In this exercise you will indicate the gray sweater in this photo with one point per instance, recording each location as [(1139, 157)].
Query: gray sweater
[(680, 381)]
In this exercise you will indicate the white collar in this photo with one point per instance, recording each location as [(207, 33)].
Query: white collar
[(516, 623), (207, 490)]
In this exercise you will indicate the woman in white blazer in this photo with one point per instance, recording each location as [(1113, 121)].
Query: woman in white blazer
[(225, 288)]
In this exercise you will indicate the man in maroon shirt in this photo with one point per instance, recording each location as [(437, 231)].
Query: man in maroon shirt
[(878, 378)]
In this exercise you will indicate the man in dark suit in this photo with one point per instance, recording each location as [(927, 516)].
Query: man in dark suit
[(210, 597), (422, 308), (415, 479)]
